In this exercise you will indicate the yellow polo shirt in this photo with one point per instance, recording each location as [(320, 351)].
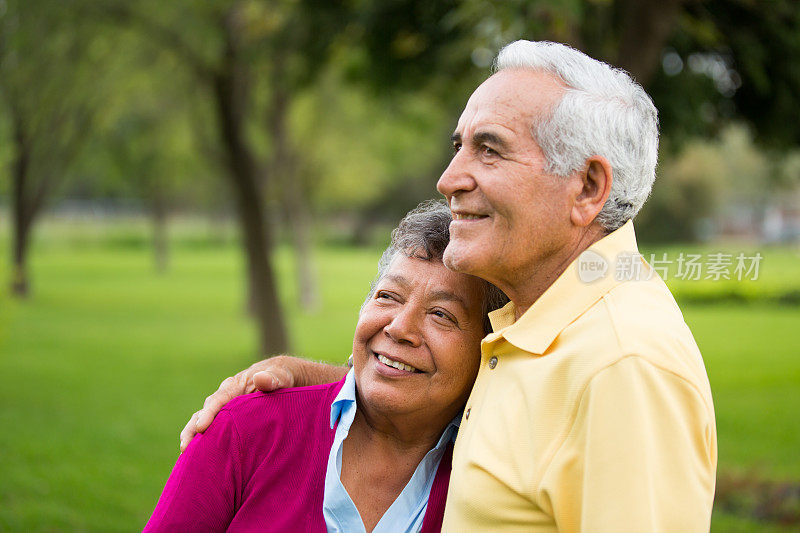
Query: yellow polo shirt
[(592, 412)]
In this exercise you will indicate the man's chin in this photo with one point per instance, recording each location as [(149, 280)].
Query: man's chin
[(458, 259), (449, 263)]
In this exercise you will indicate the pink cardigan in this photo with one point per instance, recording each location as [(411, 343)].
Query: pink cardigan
[(261, 467)]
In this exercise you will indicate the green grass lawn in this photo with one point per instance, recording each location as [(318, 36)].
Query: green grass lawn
[(101, 368)]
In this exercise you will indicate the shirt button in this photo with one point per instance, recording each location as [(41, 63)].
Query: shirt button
[(493, 362), (466, 414)]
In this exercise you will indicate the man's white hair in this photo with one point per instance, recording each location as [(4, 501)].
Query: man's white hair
[(603, 112)]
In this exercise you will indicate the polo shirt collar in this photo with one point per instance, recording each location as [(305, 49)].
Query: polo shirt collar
[(565, 300), (345, 400)]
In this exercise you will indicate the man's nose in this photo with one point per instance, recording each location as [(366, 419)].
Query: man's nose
[(404, 327), (457, 177)]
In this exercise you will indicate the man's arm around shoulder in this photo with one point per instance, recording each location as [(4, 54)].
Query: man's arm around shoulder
[(279, 372)]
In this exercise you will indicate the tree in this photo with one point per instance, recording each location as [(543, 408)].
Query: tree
[(704, 62), (234, 47), (707, 64), (221, 43), (140, 146), (49, 112)]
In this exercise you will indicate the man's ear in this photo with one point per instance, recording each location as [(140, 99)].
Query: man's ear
[(596, 179)]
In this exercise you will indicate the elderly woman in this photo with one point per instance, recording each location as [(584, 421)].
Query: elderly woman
[(369, 453)]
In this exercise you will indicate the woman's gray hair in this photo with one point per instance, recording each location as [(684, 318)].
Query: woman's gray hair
[(603, 112), (424, 233)]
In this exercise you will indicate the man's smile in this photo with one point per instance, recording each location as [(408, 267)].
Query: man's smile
[(464, 216)]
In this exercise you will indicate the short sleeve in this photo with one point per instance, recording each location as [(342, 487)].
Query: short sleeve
[(203, 490), (639, 456)]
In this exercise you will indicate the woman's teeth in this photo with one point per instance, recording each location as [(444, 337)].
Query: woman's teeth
[(395, 364)]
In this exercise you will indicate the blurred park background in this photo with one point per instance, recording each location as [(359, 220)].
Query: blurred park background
[(187, 185)]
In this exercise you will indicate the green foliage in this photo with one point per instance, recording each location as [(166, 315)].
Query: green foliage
[(713, 178), (686, 191), (408, 44), (51, 82), (778, 277), (360, 148), (765, 44), (5, 155), (374, 88), (147, 147)]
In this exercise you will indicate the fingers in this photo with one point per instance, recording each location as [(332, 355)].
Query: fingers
[(273, 379), (214, 403), (265, 381), (241, 383), (189, 431)]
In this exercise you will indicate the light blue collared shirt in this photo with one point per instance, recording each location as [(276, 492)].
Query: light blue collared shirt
[(408, 510)]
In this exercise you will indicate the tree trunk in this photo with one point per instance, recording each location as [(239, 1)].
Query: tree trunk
[(296, 211), (307, 288), (646, 26), (22, 214), (229, 89), (160, 236)]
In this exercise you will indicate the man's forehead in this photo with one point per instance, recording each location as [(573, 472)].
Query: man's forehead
[(510, 97)]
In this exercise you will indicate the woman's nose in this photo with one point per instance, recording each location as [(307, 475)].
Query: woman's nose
[(404, 327)]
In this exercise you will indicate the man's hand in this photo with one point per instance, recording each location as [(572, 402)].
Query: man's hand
[(279, 372)]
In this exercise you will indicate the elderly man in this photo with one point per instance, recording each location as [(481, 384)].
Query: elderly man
[(592, 409)]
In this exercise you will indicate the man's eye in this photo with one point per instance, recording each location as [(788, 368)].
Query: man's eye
[(488, 151), (383, 295), (456, 147)]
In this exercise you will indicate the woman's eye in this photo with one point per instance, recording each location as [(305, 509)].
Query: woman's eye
[(444, 316)]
